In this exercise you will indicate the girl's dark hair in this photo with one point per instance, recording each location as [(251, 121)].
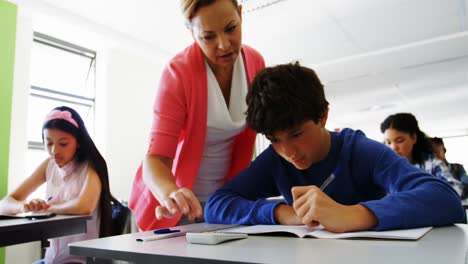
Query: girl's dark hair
[(283, 97), (87, 151), (406, 122)]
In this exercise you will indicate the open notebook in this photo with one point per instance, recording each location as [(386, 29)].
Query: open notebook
[(320, 232)]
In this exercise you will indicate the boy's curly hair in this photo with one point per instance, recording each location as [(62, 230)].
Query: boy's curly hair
[(283, 97)]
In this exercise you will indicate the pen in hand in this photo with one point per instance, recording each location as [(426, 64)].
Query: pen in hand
[(327, 181)]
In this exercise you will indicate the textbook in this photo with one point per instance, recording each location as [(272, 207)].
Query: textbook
[(319, 232)]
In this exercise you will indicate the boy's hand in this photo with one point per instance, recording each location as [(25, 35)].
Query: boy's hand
[(315, 207), (285, 215), (181, 201), (35, 205)]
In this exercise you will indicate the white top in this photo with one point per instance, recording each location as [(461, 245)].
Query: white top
[(223, 125), (65, 184)]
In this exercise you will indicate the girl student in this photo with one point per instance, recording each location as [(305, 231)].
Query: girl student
[(77, 183), (402, 134)]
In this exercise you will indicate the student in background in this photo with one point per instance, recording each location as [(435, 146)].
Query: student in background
[(198, 138), (402, 134), (457, 170), (341, 180), (76, 181)]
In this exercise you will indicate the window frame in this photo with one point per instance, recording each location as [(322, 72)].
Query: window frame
[(58, 96)]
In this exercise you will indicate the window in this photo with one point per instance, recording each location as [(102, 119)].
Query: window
[(61, 74)]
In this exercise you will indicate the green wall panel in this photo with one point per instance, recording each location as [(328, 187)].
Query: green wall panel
[(8, 12)]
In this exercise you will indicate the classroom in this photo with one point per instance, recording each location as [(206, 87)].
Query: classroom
[(105, 60)]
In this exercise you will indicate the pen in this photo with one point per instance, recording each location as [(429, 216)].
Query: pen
[(166, 231), (327, 181), (160, 236), (50, 198)]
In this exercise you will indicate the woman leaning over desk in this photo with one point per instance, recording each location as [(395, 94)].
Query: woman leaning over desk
[(198, 139)]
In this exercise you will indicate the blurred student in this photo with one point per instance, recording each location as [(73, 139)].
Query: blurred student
[(402, 134), (457, 170), (199, 139), (76, 181), (337, 179)]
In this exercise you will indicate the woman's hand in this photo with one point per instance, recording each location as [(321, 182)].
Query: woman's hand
[(314, 207), (35, 205), (180, 201)]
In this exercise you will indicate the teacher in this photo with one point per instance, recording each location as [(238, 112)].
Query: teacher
[(199, 138)]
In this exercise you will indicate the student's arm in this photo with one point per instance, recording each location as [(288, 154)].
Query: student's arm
[(414, 198), (243, 199), (15, 202), (159, 179), (86, 201)]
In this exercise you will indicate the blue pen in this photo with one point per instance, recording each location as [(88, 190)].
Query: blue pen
[(161, 234), (50, 198), (166, 231)]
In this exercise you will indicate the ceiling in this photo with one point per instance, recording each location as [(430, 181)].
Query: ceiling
[(374, 57)]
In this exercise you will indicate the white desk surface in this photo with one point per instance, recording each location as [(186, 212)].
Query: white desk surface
[(446, 245), (22, 230)]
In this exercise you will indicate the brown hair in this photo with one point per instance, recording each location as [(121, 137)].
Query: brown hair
[(190, 7), (284, 96)]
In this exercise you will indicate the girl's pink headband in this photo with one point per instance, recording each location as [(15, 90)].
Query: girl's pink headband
[(64, 115)]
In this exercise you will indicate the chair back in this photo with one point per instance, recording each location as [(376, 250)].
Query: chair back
[(120, 216)]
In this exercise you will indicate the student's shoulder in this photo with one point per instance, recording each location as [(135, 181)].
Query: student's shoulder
[(268, 153), (268, 156), (349, 135), (86, 166), (46, 163), (357, 143), (269, 162)]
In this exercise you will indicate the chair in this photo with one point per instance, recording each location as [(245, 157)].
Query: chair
[(120, 217)]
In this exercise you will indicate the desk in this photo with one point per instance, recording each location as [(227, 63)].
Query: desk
[(16, 231), (440, 245)]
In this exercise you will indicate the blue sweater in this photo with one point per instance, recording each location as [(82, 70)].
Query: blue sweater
[(366, 172)]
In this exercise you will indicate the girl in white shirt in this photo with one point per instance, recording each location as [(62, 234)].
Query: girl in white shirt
[(77, 183)]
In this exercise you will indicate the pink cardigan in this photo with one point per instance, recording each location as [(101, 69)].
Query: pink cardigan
[(179, 128)]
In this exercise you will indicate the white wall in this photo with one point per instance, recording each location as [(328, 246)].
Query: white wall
[(131, 85), (127, 76)]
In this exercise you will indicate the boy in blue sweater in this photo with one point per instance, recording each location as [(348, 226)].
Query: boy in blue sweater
[(341, 180)]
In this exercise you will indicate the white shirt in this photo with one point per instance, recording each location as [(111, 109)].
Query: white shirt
[(223, 125), (65, 184)]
